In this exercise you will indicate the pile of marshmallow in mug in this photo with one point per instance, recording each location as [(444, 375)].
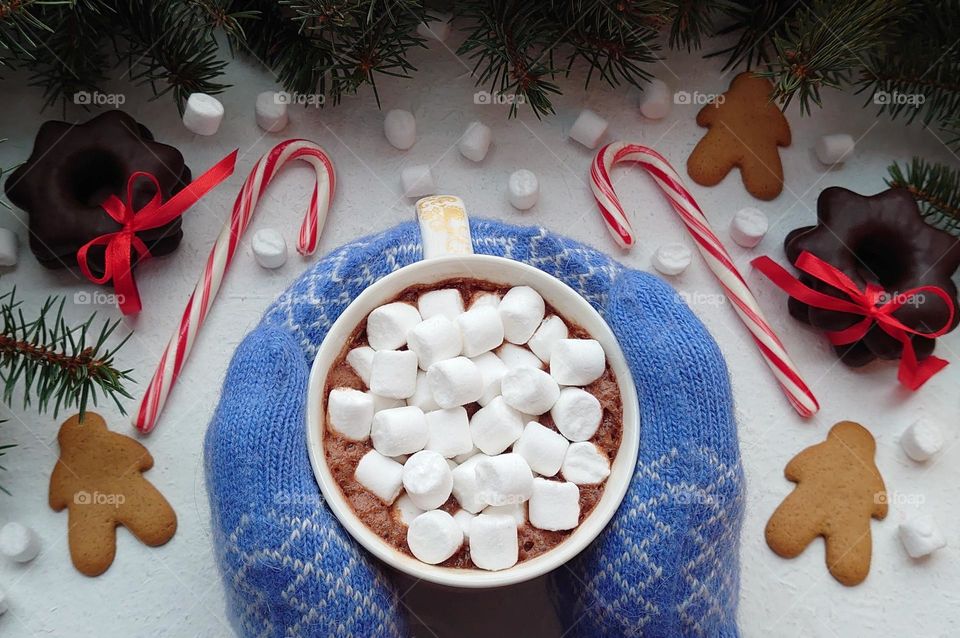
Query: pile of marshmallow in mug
[(425, 444)]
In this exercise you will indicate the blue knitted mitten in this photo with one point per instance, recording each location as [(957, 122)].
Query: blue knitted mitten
[(667, 565)]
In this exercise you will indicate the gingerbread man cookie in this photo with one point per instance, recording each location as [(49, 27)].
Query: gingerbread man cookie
[(839, 489), (745, 130), (98, 479)]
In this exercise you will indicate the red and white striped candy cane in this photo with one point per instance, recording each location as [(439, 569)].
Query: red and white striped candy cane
[(178, 349), (716, 256)]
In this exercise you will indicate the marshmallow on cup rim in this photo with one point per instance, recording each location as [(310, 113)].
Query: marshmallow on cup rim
[(350, 413), (577, 361), (427, 479), (435, 339), (748, 227), (400, 128), (202, 114), (394, 374), (585, 464), (481, 329), (19, 542), (379, 475), (543, 448), (270, 112), (434, 536), (388, 325), (399, 431), (504, 479), (454, 382), (475, 141), (495, 427), (529, 390), (577, 414), (494, 542), (524, 189), (554, 506), (521, 311)]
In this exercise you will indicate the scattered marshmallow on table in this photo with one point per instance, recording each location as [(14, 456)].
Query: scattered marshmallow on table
[(389, 325), (529, 390), (394, 374), (543, 448), (588, 129), (495, 427), (577, 361), (19, 542), (454, 382), (202, 114), (921, 440), (504, 479), (269, 248), (361, 360), (514, 357), (464, 519), (446, 302), (466, 488), (577, 414), (475, 141), (423, 396), (921, 536), (8, 247), (417, 181), (427, 479), (400, 128), (585, 464), (517, 511), (656, 100), (492, 370), (524, 189), (549, 332), (434, 340), (481, 330), (434, 536), (449, 432), (672, 258), (748, 227), (399, 431), (350, 412), (554, 505), (406, 510), (270, 112), (833, 149), (521, 311), (493, 542), (381, 476)]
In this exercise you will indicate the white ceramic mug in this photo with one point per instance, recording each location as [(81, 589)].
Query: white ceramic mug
[(448, 253)]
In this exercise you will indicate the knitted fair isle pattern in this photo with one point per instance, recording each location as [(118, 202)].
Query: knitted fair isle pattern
[(668, 563)]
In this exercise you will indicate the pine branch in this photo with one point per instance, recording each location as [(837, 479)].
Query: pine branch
[(757, 22), (3, 451), (936, 187), (691, 21)]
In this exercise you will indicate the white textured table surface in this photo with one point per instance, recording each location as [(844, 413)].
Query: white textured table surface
[(176, 590)]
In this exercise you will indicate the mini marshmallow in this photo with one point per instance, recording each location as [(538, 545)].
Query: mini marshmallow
[(495, 427), (524, 189), (521, 311), (466, 488), (464, 518), (504, 479), (434, 340), (388, 326), (833, 149), (350, 413), (269, 248), (361, 360), (433, 537), (427, 479), (577, 414), (577, 361), (462, 458), (529, 390), (672, 258), (455, 382), (493, 542), (748, 227), (271, 112), (380, 476), (449, 432), (492, 370), (588, 129), (516, 511), (399, 431), (554, 506), (551, 330), (202, 114), (446, 302), (585, 464), (394, 374), (417, 181), (423, 396), (405, 509), (475, 141), (543, 448), (514, 357), (921, 536), (19, 542), (385, 403), (921, 440), (400, 127), (437, 29), (481, 330), (481, 299), (656, 100), (8, 247)]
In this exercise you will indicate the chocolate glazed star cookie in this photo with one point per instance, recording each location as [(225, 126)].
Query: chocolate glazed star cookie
[(74, 167), (880, 239)]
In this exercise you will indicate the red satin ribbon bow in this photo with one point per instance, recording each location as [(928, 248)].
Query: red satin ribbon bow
[(117, 263), (874, 304)]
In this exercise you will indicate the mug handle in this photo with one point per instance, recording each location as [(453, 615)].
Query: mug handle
[(444, 226)]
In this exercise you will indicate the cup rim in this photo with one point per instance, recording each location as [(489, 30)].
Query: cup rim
[(622, 466)]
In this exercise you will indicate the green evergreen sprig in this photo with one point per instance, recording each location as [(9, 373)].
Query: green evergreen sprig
[(936, 187)]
